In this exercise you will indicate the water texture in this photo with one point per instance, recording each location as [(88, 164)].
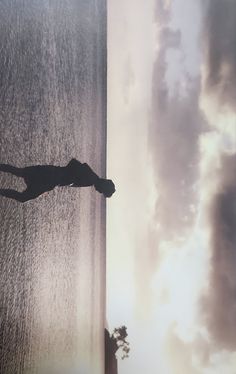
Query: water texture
[(52, 249)]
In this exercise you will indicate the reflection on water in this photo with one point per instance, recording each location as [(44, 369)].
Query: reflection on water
[(52, 249)]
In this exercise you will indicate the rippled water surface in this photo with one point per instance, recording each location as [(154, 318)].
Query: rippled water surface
[(52, 249)]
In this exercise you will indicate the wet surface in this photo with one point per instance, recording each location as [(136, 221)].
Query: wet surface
[(52, 249)]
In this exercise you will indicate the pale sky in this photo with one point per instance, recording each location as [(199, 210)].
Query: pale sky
[(172, 154)]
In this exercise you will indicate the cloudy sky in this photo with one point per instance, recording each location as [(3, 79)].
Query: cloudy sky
[(171, 233)]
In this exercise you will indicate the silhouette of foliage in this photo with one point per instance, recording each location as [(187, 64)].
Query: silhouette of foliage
[(119, 336)]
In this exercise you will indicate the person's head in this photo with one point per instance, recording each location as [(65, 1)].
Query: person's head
[(105, 186)]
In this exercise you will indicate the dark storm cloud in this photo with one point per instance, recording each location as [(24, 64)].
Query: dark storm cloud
[(176, 123), (220, 49), (219, 305)]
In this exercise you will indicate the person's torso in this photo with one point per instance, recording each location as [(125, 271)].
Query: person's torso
[(44, 175)]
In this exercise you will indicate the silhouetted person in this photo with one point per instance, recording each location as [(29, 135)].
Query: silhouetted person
[(43, 178)]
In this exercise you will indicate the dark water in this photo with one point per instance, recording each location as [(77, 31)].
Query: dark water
[(52, 255)]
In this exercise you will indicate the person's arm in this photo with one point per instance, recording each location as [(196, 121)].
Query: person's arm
[(73, 162), (91, 172), (83, 172)]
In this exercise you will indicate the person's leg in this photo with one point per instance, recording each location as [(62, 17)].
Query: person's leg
[(19, 172), (28, 194)]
